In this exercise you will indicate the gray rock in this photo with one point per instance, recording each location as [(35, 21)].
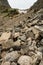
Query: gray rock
[(25, 60), (41, 49), (17, 43), (17, 30), (36, 57), (35, 30), (34, 22), (15, 35), (5, 63), (29, 33), (22, 38), (8, 44), (40, 16), (12, 56), (39, 27), (29, 40), (41, 42), (13, 63), (9, 29), (41, 33), (5, 36), (11, 49), (41, 63)]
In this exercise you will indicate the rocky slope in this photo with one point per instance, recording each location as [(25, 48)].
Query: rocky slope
[(37, 5), (4, 3), (21, 38)]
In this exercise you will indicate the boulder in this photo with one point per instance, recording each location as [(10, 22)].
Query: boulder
[(13, 63), (25, 60), (39, 28), (22, 38), (15, 34), (8, 44), (5, 63), (41, 63), (12, 56), (41, 42), (5, 36)]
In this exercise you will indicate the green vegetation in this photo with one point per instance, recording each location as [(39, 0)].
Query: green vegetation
[(8, 11)]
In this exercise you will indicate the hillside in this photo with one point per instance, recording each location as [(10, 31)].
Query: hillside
[(6, 10), (37, 5), (21, 36), (4, 3)]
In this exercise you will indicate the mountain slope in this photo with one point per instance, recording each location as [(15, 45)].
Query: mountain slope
[(38, 5), (4, 3)]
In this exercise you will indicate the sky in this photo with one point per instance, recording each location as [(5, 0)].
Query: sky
[(21, 4)]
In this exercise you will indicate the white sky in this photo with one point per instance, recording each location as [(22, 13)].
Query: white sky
[(21, 4)]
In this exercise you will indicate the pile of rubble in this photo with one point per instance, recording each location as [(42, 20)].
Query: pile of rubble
[(23, 45)]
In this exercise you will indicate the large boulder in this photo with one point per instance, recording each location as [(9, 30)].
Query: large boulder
[(5, 36), (12, 56), (5, 63), (25, 60)]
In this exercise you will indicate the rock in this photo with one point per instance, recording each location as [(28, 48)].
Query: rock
[(41, 33), (29, 33), (17, 29), (22, 38), (12, 56), (40, 16), (0, 48), (25, 60), (37, 57), (39, 27), (24, 51), (29, 40), (8, 44), (41, 42), (11, 49), (36, 33), (15, 35), (35, 30), (13, 63), (34, 22), (9, 29), (5, 36), (40, 22), (41, 49), (37, 36), (41, 63), (17, 43), (24, 30), (22, 23), (28, 46), (5, 63), (3, 54)]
